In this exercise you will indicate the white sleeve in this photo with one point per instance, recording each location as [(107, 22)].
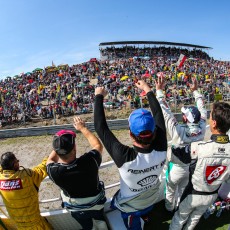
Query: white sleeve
[(200, 104), (174, 130)]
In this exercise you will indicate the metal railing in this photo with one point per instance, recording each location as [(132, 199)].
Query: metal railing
[(51, 130)]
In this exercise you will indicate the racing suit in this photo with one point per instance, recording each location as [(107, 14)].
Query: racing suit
[(181, 134), (209, 168), (19, 190)]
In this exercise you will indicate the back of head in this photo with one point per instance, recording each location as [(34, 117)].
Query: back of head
[(7, 161), (191, 113), (142, 126), (221, 114), (64, 142)]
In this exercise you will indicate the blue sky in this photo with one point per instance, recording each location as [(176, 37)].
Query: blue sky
[(33, 33)]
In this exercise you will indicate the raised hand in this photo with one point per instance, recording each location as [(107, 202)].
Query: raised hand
[(78, 123), (141, 84), (101, 90), (194, 85), (160, 82)]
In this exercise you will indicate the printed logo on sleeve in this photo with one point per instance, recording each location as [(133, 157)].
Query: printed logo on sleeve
[(13, 184), (214, 172)]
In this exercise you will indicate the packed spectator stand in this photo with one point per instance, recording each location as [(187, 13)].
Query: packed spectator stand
[(67, 90), (147, 49)]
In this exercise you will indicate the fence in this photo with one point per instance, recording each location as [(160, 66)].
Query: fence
[(50, 130)]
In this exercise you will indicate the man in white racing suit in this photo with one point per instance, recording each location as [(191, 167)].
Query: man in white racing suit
[(209, 168), (193, 129)]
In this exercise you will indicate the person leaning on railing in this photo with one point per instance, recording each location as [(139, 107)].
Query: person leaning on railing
[(139, 166), (81, 191), (19, 190)]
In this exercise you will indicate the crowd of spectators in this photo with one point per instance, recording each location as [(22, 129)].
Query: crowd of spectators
[(67, 90)]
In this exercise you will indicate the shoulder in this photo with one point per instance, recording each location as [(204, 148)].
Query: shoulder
[(128, 154), (25, 172), (203, 143), (52, 166), (197, 146), (93, 154)]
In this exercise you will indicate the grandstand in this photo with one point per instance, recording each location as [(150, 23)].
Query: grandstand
[(129, 49)]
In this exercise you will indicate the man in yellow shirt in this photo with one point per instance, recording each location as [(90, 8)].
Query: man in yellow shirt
[(19, 191)]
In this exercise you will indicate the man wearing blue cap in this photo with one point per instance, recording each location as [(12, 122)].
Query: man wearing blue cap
[(139, 166)]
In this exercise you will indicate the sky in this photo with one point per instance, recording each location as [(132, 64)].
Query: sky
[(35, 33)]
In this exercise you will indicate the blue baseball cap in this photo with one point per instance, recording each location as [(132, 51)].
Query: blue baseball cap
[(141, 120)]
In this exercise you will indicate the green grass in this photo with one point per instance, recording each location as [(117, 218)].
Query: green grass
[(160, 220)]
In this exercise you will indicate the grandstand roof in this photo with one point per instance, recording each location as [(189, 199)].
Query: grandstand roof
[(153, 43)]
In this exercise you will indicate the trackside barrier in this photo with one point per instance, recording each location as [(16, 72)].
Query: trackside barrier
[(51, 130)]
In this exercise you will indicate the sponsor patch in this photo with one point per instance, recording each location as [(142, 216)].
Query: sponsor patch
[(214, 172), (221, 150), (147, 180), (222, 139), (13, 184)]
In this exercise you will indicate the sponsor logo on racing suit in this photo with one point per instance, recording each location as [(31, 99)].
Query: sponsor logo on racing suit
[(214, 172), (13, 184)]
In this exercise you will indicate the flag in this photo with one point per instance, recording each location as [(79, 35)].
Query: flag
[(181, 60)]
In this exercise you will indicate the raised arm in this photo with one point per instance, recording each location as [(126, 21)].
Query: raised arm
[(199, 100), (161, 138), (171, 123), (53, 157), (95, 143), (39, 172), (111, 143)]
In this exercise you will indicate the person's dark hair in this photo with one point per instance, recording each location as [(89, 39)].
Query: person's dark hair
[(7, 161), (221, 114), (145, 137)]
